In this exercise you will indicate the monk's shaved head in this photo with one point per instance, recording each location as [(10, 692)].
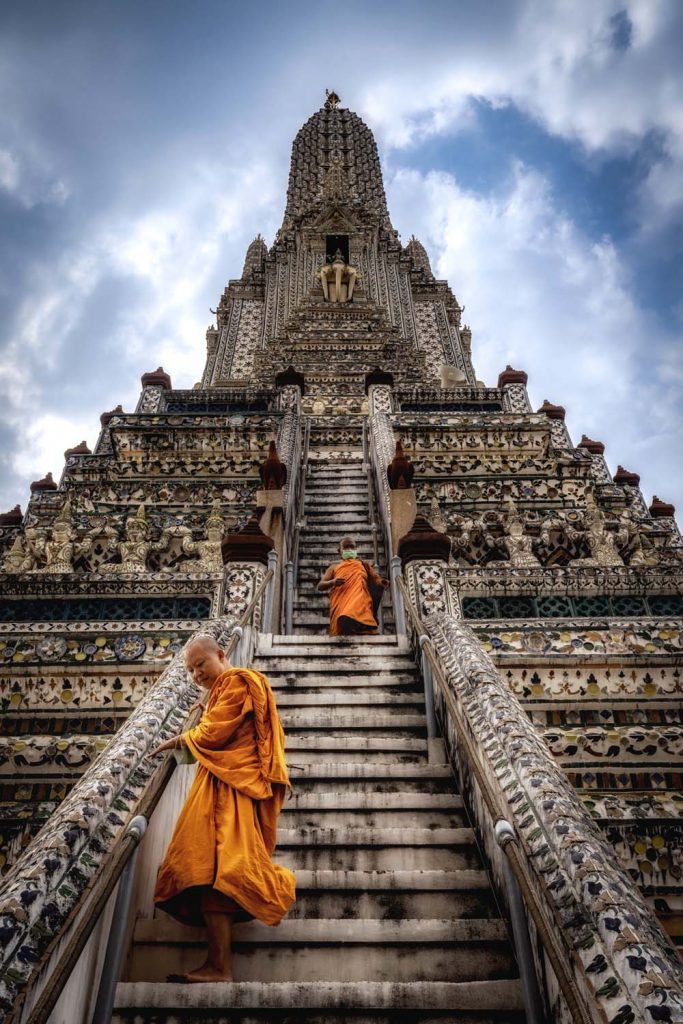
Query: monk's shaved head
[(205, 660), (205, 641)]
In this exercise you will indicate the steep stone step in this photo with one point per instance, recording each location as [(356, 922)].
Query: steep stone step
[(359, 849), (369, 950), (391, 703), (495, 1001), (352, 674), (348, 720), (323, 817)]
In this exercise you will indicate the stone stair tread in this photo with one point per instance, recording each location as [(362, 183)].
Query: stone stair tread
[(400, 643), (398, 744), (355, 698), (496, 994), (374, 801), (377, 770), (329, 931), (316, 719), (374, 837)]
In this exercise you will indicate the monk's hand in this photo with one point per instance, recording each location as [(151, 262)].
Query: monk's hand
[(385, 583), (172, 744), (198, 705)]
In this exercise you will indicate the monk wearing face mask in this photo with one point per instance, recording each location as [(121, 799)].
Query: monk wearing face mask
[(348, 583), (218, 865)]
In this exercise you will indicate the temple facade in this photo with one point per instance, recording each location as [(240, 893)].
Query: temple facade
[(339, 395)]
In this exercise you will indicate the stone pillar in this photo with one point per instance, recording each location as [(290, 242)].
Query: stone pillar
[(601, 473), (245, 555), (291, 387), (664, 513), (378, 385), (153, 386), (424, 553), (558, 431), (630, 485), (513, 384), (271, 506)]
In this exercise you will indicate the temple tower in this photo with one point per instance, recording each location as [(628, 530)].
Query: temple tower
[(538, 595)]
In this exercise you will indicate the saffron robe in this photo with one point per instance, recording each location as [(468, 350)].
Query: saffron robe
[(226, 832), (353, 600)]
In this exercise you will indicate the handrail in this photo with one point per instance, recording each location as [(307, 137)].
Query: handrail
[(373, 508), (500, 812), (370, 455), (291, 564), (381, 489), (96, 896)]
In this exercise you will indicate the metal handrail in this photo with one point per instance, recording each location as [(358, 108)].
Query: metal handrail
[(373, 508), (393, 562), (499, 811), (291, 565), (97, 895)]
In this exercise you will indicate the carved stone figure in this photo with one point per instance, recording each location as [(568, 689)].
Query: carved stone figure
[(210, 558), (643, 551), (19, 558), (518, 543), (603, 543), (338, 279), (137, 547)]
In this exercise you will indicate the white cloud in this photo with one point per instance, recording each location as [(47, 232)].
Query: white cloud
[(546, 298), (557, 62), (175, 253), (9, 171), (44, 441)]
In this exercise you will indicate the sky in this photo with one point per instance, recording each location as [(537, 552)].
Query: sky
[(535, 147)]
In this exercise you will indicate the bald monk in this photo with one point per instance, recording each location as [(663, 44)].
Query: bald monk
[(218, 865), (351, 608)]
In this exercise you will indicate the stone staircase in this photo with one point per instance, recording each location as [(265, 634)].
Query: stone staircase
[(394, 919), (337, 503)]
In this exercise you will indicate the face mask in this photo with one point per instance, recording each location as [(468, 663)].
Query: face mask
[(349, 553)]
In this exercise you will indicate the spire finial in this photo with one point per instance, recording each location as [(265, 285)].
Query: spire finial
[(332, 100)]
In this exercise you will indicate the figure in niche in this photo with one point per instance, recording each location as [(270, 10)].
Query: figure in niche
[(20, 557), (208, 550), (63, 546), (464, 528), (517, 541), (643, 551), (137, 547), (338, 279), (602, 543)]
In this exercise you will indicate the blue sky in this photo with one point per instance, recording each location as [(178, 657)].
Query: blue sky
[(534, 146)]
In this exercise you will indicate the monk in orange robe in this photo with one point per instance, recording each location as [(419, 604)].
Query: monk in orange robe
[(351, 609), (218, 865)]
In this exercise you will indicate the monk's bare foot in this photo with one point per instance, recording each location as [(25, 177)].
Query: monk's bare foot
[(205, 973)]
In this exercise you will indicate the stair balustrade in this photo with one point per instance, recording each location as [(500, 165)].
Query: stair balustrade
[(62, 887), (604, 955)]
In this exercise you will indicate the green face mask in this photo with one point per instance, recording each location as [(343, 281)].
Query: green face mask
[(349, 553)]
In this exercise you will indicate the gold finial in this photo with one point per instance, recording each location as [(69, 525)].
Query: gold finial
[(332, 99)]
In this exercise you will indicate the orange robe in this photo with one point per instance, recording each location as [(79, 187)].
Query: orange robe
[(226, 832), (353, 599)]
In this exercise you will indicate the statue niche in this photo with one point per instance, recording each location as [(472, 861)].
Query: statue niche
[(338, 279)]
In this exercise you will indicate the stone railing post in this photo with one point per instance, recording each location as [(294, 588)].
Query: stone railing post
[(153, 386)]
